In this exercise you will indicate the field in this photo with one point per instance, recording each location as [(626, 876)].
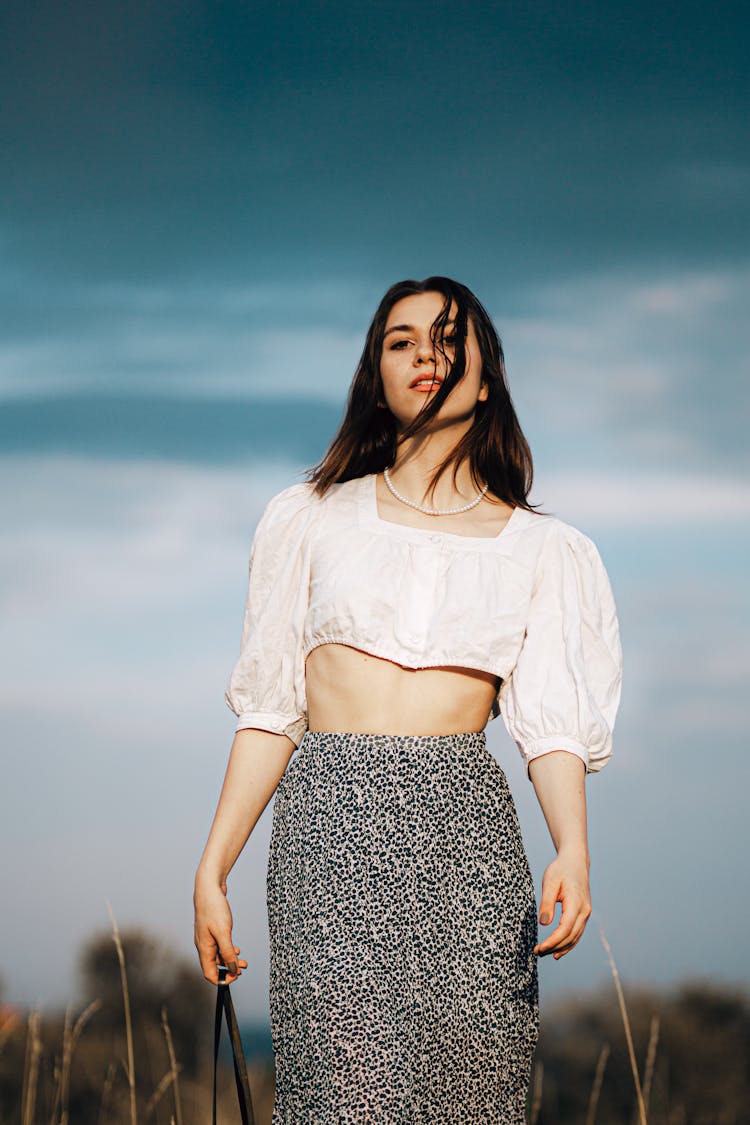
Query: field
[(139, 1050)]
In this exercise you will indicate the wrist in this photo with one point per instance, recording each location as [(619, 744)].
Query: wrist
[(210, 874), (574, 852)]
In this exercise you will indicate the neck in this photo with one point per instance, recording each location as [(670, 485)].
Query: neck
[(416, 462)]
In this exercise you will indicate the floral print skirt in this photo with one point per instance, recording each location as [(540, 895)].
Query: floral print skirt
[(403, 983)]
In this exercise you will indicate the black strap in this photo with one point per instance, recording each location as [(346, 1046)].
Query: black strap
[(224, 1005)]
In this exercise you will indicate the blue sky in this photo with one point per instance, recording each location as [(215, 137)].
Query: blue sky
[(200, 207)]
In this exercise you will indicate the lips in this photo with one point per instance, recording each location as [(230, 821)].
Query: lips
[(427, 382)]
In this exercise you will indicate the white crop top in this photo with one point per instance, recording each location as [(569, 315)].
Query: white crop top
[(533, 605)]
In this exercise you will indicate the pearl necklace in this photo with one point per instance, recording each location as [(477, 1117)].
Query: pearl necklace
[(433, 511)]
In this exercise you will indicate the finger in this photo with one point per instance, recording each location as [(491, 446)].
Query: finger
[(550, 893), (207, 952), (560, 953), (211, 956), (571, 943), (227, 956), (567, 934), (575, 937), (550, 944), (559, 936), (578, 926), (240, 961), (564, 949)]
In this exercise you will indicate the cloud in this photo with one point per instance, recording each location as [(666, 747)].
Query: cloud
[(712, 184), (204, 341), (686, 297), (110, 573), (638, 500), (187, 430), (612, 371), (645, 370), (111, 570)]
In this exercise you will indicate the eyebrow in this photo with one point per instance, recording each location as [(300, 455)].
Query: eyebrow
[(410, 327)]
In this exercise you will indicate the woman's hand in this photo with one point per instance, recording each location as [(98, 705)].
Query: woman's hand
[(256, 762), (566, 880), (213, 931), (559, 781)]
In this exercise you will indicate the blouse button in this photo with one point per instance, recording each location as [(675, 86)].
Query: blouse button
[(435, 538)]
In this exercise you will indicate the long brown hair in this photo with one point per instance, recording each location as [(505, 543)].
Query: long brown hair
[(367, 440)]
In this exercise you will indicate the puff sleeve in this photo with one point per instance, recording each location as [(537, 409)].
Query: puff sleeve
[(564, 690), (266, 688)]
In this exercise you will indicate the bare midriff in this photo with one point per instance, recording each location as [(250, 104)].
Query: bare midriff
[(351, 690)]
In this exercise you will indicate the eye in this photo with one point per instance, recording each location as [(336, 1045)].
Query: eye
[(398, 346)]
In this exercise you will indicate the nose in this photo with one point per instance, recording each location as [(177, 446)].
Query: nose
[(425, 351)]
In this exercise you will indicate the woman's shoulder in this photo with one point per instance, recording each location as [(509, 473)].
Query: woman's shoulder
[(549, 528), (304, 495), (295, 495), (299, 504), (570, 534), (291, 507), (550, 542)]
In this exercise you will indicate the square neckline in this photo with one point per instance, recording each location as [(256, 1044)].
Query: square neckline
[(370, 507)]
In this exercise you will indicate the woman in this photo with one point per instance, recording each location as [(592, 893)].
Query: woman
[(401, 597)]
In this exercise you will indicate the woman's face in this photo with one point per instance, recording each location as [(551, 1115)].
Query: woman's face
[(412, 367)]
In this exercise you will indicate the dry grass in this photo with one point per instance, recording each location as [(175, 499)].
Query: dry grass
[(31, 1067), (174, 1070), (181, 1095), (128, 1019), (71, 1035), (628, 1033), (648, 1073), (105, 1102), (596, 1086), (537, 1090)]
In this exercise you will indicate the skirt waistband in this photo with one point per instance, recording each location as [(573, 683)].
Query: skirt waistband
[(468, 738), (356, 745)]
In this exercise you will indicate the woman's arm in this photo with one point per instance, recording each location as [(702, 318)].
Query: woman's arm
[(256, 764), (559, 781)]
